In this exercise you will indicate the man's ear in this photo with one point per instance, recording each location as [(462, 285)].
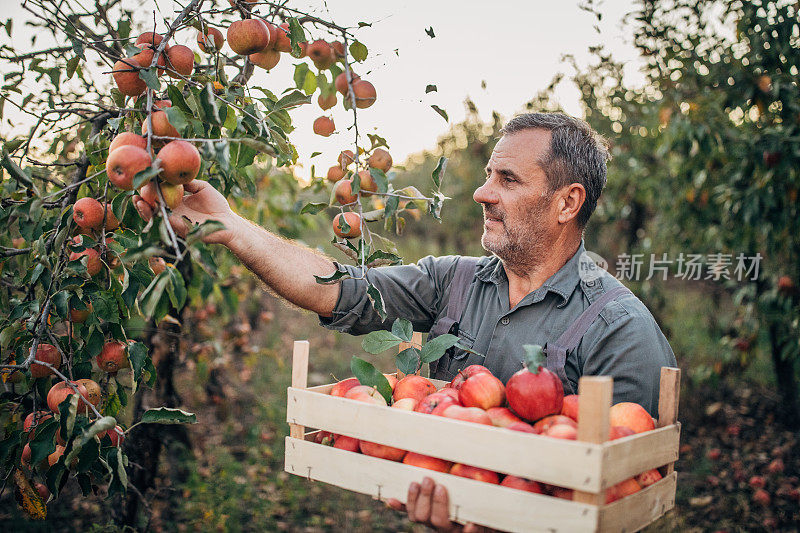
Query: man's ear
[(572, 198)]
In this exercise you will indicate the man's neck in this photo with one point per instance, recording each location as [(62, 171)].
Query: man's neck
[(522, 280)]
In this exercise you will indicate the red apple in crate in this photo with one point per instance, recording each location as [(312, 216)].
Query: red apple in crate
[(617, 432), (363, 393), (645, 479), (562, 431), (467, 414), (502, 417), (407, 404), (323, 437), (426, 461), (482, 390), (480, 474), (522, 426), (467, 372), (341, 388), (382, 451), (622, 489), (631, 415), (561, 492), (534, 392), (449, 391), (569, 407), (521, 483), (545, 423), (343, 442), (432, 401), (413, 386)]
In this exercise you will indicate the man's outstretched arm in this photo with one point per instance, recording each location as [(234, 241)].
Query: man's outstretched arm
[(285, 266)]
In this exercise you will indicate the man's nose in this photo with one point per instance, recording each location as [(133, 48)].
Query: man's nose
[(485, 193)]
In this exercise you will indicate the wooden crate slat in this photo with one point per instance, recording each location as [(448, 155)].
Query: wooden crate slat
[(640, 509), (565, 463), (630, 456), (299, 379), (500, 507), (594, 394), (668, 399)]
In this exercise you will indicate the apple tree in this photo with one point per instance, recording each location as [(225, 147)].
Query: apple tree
[(125, 100)]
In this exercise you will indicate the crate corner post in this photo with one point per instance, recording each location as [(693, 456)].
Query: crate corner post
[(668, 399), (594, 406), (299, 380)]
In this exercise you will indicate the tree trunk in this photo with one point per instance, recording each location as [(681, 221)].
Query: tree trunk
[(786, 377), (145, 443)]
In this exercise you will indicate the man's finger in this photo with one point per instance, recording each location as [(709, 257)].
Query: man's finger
[(194, 186), (422, 510), (144, 209), (411, 499), (394, 503), (440, 508)]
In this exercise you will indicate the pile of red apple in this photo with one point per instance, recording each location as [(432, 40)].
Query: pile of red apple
[(535, 404)]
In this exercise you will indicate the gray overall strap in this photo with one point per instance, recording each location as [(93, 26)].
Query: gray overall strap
[(459, 285), (557, 351), (465, 272)]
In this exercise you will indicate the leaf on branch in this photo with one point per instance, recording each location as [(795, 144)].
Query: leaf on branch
[(435, 208), (368, 375), (430, 33), (333, 278), (177, 118), (166, 415), (379, 341), (358, 51), (435, 348), (442, 112), (150, 77), (313, 208), (438, 172), (408, 361), (347, 250), (380, 258), (376, 298), (176, 288), (26, 495), (430, 89), (380, 179), (146, 175), (402, 329), (293, 99), (260, 147)]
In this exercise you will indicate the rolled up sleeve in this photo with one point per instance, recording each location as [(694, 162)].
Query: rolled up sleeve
[(412, 291), (631, 349)]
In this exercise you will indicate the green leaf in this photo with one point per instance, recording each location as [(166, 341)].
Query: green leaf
[(165, 415), (299, 76), (408, 361), (358, 51), (88, 434), (150, 77), (430, 89), (72, 66), (402, 329), (534, 358), (68, 409), (43, 444), (430, 33), (370, 376), (153, 293), (436, 347), (379, 341), (333, 278), (293, 99), (137, 353), (296, 35), (438, 172), (177, 118), (313, 208), (380, 179), (94, 344), (442, 112), (309, 84), (146, 175), (259, 146), (177, 99), (176, 288)]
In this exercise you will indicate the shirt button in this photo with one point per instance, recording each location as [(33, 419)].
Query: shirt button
[(590, 283), (504, 321)]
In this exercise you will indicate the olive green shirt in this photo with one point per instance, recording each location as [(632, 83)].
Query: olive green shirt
[(624, 342)]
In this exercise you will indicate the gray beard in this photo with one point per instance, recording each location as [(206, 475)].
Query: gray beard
[(522, 248)]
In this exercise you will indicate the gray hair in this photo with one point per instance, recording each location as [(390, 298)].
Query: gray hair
[(577, 154)]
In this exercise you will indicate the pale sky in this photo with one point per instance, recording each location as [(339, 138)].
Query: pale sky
[(514, 46)]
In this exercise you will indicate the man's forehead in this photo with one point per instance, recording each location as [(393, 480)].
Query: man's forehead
[(520, 149)]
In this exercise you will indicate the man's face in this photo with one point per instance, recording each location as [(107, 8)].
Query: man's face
[(517, 203)]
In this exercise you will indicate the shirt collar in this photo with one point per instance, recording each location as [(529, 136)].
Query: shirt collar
[(562, 283)]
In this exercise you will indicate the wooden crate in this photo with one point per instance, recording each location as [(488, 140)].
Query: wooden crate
[(588, 465)]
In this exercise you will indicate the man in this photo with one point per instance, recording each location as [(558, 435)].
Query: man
[(543, 182)]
